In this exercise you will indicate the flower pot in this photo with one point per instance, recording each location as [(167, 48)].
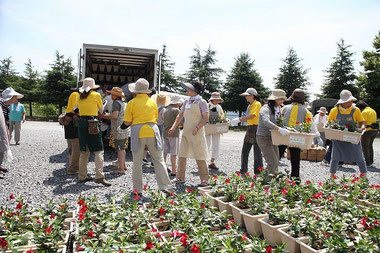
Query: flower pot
[(271, 233), (213, 201), (252, 223), (306, 248), (295, 140), (237, 213), (335, 134), (223, 205), (292, 245)]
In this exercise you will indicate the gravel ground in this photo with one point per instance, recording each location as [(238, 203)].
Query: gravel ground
[(38, 171)]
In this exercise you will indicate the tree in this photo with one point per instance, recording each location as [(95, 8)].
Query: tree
[(292, 74), (202, 68), (242, 76), (369, 80), (8, 77), (58, 81), (168, 80), (341, 74)]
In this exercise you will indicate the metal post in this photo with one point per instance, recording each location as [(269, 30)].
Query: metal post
[(159, 72)]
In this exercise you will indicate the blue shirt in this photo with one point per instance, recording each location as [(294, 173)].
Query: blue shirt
[(16, 112)]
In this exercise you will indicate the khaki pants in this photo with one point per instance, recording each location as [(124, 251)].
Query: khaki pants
[(160, 169), (202, 169), (83, 161), (74, 153), (15, 125), (270, 152)]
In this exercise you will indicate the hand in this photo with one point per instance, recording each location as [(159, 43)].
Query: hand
[(235, 121), (195, 131), (23, 121), (320, 141), (283, 131), (171, 131), (100, 116)]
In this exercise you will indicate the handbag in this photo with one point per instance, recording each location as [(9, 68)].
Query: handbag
[(93, 126), (64, 119)]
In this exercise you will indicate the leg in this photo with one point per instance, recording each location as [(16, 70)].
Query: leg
[(374, 133), (121, 159), (99, 162), (173, 159), (1, 158), (69, 148), (209, 147), (244, 157), (83, 160), (203, 171), (328, 153), (17, 131), (215, 147), (137, 166), (165, 156), (295, 159), (258, 158), (75, 154), (181, 168), (362, 166), (333, 166), (11, 128), (270, 153), (365, 141)]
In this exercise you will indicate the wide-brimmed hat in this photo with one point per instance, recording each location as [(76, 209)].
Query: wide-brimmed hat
[(161, 99), (196, 86), (249, 92), (276, 94), (216, 96), (298, 96), (322, 109), (9, 93), (140, 86), (88, 84), (346, 96), (117, 92), (175, 100)]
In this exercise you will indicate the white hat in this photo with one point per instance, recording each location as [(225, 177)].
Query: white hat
[(276, 94), (345, 96), (216, 96), (161, 99), (175, 100), (249, 92), (88, 84), (322, 109), (140, 86), (9, 93)]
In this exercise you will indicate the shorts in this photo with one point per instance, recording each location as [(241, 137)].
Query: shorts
[(171, 145), (120, 144)]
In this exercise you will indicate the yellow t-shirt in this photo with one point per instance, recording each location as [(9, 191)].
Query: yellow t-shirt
[(369, 116), (72, 100), (254, 109), (294, 115), (142, 110), (90, 105), (358, 117)]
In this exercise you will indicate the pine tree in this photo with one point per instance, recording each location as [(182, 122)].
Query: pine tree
[(369, 81), (8, 76), (341, 73), (168, 79), (292, 74), (243, 76), (202, 68)]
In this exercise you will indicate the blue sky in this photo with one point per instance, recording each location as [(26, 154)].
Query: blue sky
[(264, 29)]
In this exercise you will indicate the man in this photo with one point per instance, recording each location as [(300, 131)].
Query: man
[(16, 117), (370, 133), (141, 114)]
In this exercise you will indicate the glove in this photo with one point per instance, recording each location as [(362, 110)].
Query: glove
[(123, 126), (320, 141), (235, 121), (283, 131)]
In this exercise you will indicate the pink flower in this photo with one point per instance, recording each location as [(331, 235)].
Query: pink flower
[(266, 190), (145, 187)]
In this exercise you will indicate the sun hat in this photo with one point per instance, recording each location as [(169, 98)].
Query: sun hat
[(161, 99), (298, 96), (216, 96), (175, 100), (276, 94), (322, 109), (346, 96), (195, 86), (88, 84), (249, 92), (117, 92), (9, 93), (141, 86)]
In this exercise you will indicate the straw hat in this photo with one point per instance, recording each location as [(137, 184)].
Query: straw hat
[(117, 92), (346, 96), (175, 100), (298, 96), (9, 93), (161, 99), (249, 92), (216, 96), (88, 84), (276, 94), (322, 109), (141, 86)]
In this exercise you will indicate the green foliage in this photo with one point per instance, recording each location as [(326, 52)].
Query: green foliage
[(243, 76), (169, 81), (341, 73), (8, 76), (292, 74)]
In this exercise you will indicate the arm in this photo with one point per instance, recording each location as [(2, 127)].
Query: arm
[(176, 123), (23, 117), (112, 115), (205, 116), (265, 119), (248, 117)]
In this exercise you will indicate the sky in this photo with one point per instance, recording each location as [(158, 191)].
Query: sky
[(264, 29)]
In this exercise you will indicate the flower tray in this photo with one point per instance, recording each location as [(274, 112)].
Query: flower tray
[(216, 128), (335, 134), (294, 140)]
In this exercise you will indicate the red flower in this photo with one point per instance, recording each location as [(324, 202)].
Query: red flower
[(364, 192), (320, 183), (171, 194), (330, 198), (247, 174), (203, 206), (254, 176), (188, 190), (195, 248), (361, 175), (159, 235), (238, 173), (364, 223), (81, 202), (288, 181), (79, 248), (149, 245), (252, 185), (3, 243), (11, 196), (227, 181), (175, 234), (1, 212), (333, 176), (260, 169), (307, 182), (80, 216), (241, 198), (318, 195), (345, 186), (136, 197), (39, 222), (52, 216), (215, 176), (161, 211), (48, 230), (184, 239), (172, 202), (297, 123), (308, 201), (308, 119), (145, 187), (90, 234), (284, 191), (19, 205), (268, 249), (30, 251), (244, 238), (266, 190)]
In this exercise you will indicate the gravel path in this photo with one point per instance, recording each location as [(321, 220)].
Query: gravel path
[(38, 171)]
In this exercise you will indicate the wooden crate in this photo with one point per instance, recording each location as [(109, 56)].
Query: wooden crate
[(294, 140), (334, 134), (216, 128), (303, 155)]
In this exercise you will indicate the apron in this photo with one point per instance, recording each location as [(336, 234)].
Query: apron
[(346, 151), (94, 142), (214, 116), (193, 146)]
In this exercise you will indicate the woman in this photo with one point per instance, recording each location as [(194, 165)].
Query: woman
[(269, 114), (119, 136), (5, 152), (345, 113), (320, 120), (193, 141), (217, 115), (89, 103)]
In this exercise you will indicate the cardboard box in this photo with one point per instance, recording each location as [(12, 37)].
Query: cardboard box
[(294, 140), (334, 134), (216, 128)]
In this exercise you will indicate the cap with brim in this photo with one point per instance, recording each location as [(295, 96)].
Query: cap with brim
[(277, 94), (9, 93), (190, 86), (346, 96)]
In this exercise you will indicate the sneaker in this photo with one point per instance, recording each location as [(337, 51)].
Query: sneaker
[(72, 172), (3, 169), (176, 180), (115, 163), (103, 181), (213, 167), (325, 163)]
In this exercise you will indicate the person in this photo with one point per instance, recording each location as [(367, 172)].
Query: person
[(371, 131), (5, 152), (269, 115), (171, 143), (16, 117), (162, 101), (71, 134), (252, 119), (119, 136), (88, 104), (193, 141), (8, 96), (141, 114), (345, 113), (217, 115), (320, 120)]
